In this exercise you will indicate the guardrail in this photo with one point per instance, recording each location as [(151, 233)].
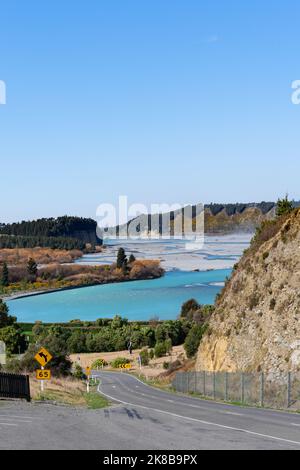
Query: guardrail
[(244, 388), (14, 386)]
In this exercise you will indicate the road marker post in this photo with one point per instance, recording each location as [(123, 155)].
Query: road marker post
[(88, 373)]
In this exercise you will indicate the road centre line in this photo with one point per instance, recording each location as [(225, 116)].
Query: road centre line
[(9, 424), (222, 426)]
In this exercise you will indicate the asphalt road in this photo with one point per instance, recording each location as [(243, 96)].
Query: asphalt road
[(143, 417), (211, 425)]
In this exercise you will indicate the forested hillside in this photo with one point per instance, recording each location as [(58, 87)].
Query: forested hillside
[(42, 232)]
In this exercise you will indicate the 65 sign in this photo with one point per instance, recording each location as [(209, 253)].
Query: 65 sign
[(43, 374)]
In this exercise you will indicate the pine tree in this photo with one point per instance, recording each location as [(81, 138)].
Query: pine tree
[(4, 282), (32, 267), (284, 206), (125, 266), (131, 259), (121, 258), (5, 318)]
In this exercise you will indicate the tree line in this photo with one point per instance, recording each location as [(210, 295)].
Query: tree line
[(55, 243), (49, 227)]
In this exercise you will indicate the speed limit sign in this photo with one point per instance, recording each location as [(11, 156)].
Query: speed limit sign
[(43, 374)]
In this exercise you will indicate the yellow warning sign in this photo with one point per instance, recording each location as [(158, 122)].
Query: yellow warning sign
[(43, 357), (125, 366)]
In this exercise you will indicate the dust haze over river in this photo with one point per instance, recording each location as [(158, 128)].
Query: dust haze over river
[(218, 252)]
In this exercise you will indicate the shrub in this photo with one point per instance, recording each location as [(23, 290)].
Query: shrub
[(119, 361), (99, 363), (168, 344), (189, 306), (151, 354), (192, 340), (13, 338), (144, 355), (78, 372), (166, 365), (160, 349), (174, 365), (253, 301), (13, 366), (265, 255)]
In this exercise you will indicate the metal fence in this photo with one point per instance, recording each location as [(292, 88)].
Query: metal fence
[(246, 388), (14, 386)]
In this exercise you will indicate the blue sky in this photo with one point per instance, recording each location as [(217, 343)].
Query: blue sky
[(161, 100)]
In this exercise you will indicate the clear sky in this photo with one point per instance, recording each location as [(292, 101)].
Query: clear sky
[(160, 100)]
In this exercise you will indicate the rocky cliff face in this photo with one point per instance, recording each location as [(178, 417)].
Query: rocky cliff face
[(256, 324)]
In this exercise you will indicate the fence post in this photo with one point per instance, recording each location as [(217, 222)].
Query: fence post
[(226, 386), (214, 385), (289, 389), (242, 387), (28, 388), (195, 388), (188, 382), (204, 384), (262, 389)]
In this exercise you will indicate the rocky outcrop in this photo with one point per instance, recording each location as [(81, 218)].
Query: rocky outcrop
[(256, 323)]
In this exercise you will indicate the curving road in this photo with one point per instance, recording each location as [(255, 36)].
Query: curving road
[(146, 418), (200, 424)]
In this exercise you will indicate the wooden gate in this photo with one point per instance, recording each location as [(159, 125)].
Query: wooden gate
[(14, 386)]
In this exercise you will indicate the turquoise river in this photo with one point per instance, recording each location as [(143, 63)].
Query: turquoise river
[(136, 300)]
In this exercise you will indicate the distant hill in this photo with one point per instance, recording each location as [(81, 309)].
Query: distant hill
[(219, 218), (51, 232)]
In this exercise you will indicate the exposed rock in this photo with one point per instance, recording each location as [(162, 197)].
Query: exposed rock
[(256, 322)]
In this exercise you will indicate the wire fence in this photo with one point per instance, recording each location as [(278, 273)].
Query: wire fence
[(246, 388)]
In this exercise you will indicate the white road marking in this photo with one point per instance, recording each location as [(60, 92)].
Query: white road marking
[(208, 423), (20, 420), (231, 413), (195, 406), (14, 416), (294, 424), (9, 424)]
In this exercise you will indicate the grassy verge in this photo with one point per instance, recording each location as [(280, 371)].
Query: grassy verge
[(154, 382), (95, 401), (68, 392)]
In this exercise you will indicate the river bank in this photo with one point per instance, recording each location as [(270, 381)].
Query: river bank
[(55, 278)]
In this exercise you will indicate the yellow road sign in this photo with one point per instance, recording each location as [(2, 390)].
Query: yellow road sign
[(43, 357), (43, 374), (125, 366), (88, 371)]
